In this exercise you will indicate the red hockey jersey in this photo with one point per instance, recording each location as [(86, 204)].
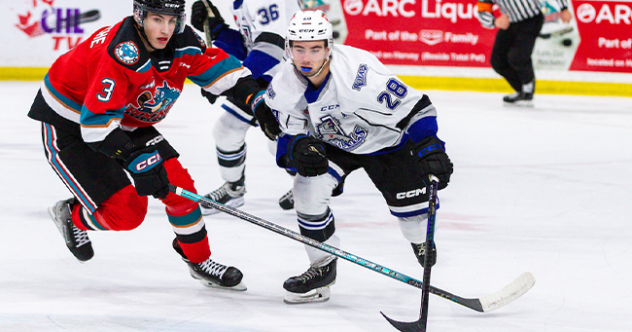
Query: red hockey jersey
[(110, 80)]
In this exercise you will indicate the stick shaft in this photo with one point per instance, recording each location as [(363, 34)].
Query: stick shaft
[(432, 214), (491, 302), (207, 27)]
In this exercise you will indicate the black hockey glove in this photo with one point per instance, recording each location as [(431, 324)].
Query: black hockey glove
[(267, 121), (199, 16), (209, 96), (146, 168), (307, 155), (432, 159)]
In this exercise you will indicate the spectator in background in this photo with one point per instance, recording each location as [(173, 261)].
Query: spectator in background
[(519, 24)]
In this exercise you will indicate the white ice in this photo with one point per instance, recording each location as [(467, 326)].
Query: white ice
[(546, 190)]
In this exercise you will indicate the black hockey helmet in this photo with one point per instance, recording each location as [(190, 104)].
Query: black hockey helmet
[(167, 7)]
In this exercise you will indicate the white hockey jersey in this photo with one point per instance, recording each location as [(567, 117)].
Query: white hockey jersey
[(260, 21), (357, 109)]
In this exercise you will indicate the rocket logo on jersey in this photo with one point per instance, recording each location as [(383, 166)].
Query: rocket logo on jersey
[(329, 130), (153, 104), (127, 52)]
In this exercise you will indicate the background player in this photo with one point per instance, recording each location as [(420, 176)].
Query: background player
[(98, 129), (340, 109), (259, 42)]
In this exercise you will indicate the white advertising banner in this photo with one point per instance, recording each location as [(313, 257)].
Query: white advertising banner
[(38, 31)]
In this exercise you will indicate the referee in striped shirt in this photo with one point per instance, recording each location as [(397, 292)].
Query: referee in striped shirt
[(519, 24)]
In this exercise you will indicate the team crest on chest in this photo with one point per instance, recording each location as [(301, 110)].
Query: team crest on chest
[(329, 130), (127, 52), (154, 103)]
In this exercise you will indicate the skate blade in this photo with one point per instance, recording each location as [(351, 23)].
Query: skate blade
[(51, 212), (314, 296), (234, 203), (519, 104), (240, 287)]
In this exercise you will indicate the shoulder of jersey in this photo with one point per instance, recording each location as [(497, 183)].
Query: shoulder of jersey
[(189, 39), (286, 87), (126, 46)]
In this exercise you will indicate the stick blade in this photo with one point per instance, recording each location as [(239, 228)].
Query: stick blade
[(509, 293), (415, 326)]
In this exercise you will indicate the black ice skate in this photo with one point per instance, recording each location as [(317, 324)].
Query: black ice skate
[(420, 253), (286, 202), (76, 239), (523, 99), (213, 274), (230, 194), (313, 285)]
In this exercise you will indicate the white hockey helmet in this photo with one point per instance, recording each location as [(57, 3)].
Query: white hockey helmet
[(309, 26)]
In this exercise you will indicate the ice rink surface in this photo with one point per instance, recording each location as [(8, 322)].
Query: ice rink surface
[(546, 190)]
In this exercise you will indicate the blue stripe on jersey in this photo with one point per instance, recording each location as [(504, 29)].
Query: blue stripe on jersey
[(187, 50), (422, 128), (231, 42), (88, 118), (282, 142), (409, 213), (312, 95), (61, 98), (144, 68), (390, 149), (231, 111), (259, 62), (188, 219), (215, 72)]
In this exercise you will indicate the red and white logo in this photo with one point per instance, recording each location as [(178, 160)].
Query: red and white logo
[(431, 37), (586, 13)]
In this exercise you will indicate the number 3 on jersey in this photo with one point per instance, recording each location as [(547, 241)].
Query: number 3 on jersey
[(393, 87), (107, 90)]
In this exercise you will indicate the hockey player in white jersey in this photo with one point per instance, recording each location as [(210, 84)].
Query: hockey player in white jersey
[(259, 43), (340, 109)]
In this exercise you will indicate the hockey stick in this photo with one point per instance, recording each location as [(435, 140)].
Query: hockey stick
[(420, 324), (484, 304), (207, 26), (557, 33)]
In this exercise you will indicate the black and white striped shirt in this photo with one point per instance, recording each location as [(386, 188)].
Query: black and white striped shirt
[(517, 10)]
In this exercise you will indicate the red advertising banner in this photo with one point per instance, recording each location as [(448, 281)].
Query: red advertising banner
[(419, 32), (606, 36), (448, 33)]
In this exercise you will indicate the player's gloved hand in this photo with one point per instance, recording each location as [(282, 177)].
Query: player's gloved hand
[(199, 16), (268, 123), (209, 96), (146, 168), (432, 159), (307, 155)]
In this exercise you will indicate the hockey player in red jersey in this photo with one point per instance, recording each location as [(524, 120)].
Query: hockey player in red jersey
[(98, 105)]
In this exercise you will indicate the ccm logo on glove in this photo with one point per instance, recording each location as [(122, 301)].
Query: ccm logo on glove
[(145, 162), (429, 148)]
